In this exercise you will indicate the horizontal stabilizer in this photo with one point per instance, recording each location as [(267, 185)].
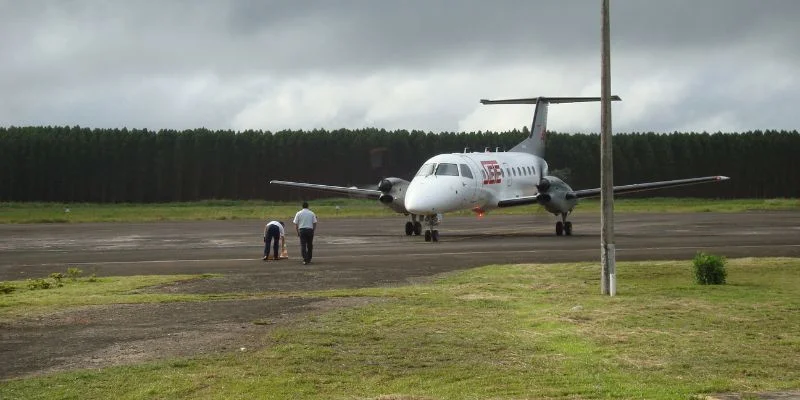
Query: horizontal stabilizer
[(552, 100)]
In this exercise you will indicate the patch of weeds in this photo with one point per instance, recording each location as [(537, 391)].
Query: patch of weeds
[(92, 278), (38, 283), (74, 273), (263, 322), (7, 288), (57, 278)]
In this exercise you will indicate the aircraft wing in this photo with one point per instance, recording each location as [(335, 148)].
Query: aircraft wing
[(519, 201), (351, 191), (638, 187)]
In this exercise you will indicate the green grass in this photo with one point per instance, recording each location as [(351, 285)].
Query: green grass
[(332, 208), (24, 302), (502, 332)]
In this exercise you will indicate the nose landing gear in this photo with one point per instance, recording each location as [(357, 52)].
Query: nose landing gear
[(432, 235)]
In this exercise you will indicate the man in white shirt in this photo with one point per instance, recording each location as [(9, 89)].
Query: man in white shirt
[(305, 222), (273, 232)]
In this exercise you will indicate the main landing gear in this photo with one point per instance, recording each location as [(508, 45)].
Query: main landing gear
[(413, 227), (564, 227)]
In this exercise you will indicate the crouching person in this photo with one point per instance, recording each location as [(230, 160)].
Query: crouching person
[(274, 233)]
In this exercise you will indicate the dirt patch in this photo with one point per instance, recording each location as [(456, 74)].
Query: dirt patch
[(103, 336)]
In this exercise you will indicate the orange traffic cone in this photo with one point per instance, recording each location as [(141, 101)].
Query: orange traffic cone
[(284, 253)]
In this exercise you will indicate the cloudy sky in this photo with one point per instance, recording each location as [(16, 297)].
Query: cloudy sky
[(679, 65)]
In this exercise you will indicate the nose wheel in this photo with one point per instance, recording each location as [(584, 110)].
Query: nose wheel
[(431, 235)]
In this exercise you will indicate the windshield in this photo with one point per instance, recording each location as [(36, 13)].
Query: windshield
[(427, 169), (447, 169)]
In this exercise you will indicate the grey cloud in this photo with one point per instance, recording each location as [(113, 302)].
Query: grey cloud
[(86, 60)]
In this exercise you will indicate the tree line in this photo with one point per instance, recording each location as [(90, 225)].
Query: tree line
[(77, 164)]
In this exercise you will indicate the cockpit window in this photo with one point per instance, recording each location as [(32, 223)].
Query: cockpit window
[(425, 170), (447, 169), (465, 172)]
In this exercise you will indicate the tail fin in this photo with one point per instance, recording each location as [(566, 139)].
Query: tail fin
[(534, 143)]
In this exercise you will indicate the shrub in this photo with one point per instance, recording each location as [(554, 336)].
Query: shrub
[(38, 283), (57, 277), (73, 273), (709, 269)]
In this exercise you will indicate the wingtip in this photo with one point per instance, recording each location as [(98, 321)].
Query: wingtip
[(722, 178)]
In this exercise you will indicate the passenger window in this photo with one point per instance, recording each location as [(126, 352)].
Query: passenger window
[(465, 172), (447, 169)]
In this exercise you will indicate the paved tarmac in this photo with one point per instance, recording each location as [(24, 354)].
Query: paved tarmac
[(351, 249), (348, 253)]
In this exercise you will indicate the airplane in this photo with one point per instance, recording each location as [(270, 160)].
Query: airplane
[(483, 181)]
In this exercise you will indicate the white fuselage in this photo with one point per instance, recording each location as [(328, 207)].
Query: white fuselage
[(472, 181)]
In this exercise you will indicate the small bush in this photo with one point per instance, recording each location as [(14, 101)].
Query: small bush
[(38, 283), (709, 269), (73, 273), (7, 288), (57, 277)]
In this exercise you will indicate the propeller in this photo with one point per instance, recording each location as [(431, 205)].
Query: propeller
[(543, 187), (385, 186)]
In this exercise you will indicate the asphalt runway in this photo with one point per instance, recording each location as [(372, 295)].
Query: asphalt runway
[(359, 252), (349, 253)]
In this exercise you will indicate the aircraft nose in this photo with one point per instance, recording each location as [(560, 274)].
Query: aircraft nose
[(422, 198)]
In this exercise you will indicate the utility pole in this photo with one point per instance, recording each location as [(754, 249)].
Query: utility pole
[(608, 284)]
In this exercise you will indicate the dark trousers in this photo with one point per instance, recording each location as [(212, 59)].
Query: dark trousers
[(273, 233), (306, 243)]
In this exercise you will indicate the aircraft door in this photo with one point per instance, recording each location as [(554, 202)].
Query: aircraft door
[(470, 174), (507, 174)]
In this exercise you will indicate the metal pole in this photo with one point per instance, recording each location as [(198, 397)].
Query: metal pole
[(608, 283)]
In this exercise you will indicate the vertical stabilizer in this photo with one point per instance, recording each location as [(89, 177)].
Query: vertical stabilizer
[(535, 142)]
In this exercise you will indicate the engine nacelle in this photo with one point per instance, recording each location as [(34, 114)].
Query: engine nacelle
[(555, 197), (394, 192)]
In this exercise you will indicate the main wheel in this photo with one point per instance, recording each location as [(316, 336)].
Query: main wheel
[(559, 228), (417, 228), (409, 228), (428, 235), (568, 228), (435, 235)]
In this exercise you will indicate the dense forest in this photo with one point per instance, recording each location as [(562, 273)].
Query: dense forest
[(75, 164)]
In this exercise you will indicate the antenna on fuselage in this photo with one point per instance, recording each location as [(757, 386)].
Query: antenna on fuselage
[(486, 149)]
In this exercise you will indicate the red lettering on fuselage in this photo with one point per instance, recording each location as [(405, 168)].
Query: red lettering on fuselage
[(492, 169)]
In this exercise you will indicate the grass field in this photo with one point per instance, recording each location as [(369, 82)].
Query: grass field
[(331, 208), (500, 332)]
